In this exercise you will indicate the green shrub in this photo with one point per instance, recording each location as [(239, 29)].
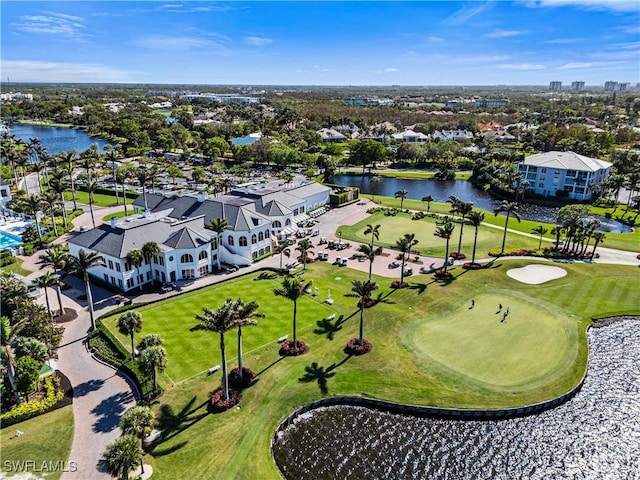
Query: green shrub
[(27, 373), (27, 410)]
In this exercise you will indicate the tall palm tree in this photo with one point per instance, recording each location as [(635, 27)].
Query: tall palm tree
[(428, 199), (558, 230), (599, 238), (138, 422), (69, 158), (135, 258), (129, 324), (121, 455), (401, 194), (149, 249), (153, 359), (218, 321), (405, 244), (22, 160), (46, 281), (363, 291), (282, 249), (508, 208), (540, 230), (444, 231), (374, 231), (218, 225), (81, 264), (33, 203), (458, 207), (142, 174), (633, 181), (92, 186), (113, 153), (50, 201), (590, 229), (292, 289), (58, 183), (6, 335), (57, 258), (304, 246), (371, 253), (617, 182), (121, 177), (476, 218), (244, 314)]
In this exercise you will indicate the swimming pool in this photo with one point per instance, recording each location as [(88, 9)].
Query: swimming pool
[(9, 241)]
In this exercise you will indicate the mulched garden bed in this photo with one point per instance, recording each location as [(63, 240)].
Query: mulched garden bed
[(217, 403), (68, 315), (354, 347), (472, 266), (457, 256), (287, 349), (396, 284), (443, 274), (247, 378)]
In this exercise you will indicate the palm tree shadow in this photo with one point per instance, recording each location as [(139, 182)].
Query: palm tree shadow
[(269, 366), (172, 423), (316, 373), (266, 275), (421, 287), (166, 451), (329, 327)]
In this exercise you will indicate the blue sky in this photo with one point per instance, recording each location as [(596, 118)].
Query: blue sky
[(322, 43)]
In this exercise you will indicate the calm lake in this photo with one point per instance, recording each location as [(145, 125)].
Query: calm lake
[(56, 139)]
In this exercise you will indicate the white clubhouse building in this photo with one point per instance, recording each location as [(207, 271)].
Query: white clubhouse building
[(550, 172), (256, 217)]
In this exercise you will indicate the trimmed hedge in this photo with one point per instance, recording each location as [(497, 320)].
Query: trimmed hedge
[(27, 410)]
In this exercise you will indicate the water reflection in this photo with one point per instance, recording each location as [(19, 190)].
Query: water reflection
[(595, 435)]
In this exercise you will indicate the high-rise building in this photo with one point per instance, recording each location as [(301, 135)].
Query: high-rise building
[(555, 86), (622, 87), (610, 86), (577, 86)]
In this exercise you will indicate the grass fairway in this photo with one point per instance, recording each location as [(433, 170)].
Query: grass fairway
[(424, 352), (46, 438), (99, 199), (530, 344)]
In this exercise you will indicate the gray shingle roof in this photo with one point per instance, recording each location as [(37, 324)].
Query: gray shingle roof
[(566, 161)]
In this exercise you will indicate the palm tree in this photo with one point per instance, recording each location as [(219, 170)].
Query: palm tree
[(292, 289), (363, 291), (509, 209), (633, 181), (69, 158), (590, 229), (6, 334), (428, 199), (58, 184), (540, 230), (558, 230), (374, 231), (121, 455), (244, 315), (135, 258), (138, 422), (444, 231), (304, 247), (33, 203), (282, 249), (599, 238), (150, 340), (617, 182), (149, 249), (49, 279), (401, 194), (476, 218), (371, 253), (218, 321), (153, 359), (92, 186), (22, 160), (128, 324), (405, 244), (458, 207), (218, 225), (112, 154), (121, 177), (50, 201), (81, 264), (374, 180), (57, 258), (142, 174)]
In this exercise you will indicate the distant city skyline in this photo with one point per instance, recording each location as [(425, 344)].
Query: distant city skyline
[(322, 43)]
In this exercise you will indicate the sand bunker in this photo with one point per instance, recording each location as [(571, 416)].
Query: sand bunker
[(535, 274)]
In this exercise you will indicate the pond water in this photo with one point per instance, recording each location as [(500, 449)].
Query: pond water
[(595, 435), (462, 189), (56, 139)]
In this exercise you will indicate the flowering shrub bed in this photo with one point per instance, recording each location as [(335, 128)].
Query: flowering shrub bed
[(288, 349), (52, 395), (219, 404), (471, 266), (442, 274), (369, 302), (397, 284), (457, 255), (354, 347), (247, 378)]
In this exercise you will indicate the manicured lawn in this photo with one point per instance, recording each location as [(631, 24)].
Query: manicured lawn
[(420, 337), (16, 268), (121, 214), (393, 227), (99, 199), (46, 438)]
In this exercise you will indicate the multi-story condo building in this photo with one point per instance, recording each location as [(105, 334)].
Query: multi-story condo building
[(610, 86), (552, 172), (555, 86), (577, 86)]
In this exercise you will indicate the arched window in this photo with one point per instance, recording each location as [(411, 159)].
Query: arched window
[(260, 236), (242, 241), (254, 255), (254, 239), (186, 258), (267, 249), (276, 224), (203, 255), (266, 233), (230, 240), (288, 222)]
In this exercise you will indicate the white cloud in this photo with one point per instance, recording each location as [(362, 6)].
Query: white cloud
[(57, 24), (167, 43), (523, 66), (257, 41), (433, 38), (572, 65), (478, 59), (466, 13), (564, 41), (385, 70), (38, 71), (613, 5), (505, 33)]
